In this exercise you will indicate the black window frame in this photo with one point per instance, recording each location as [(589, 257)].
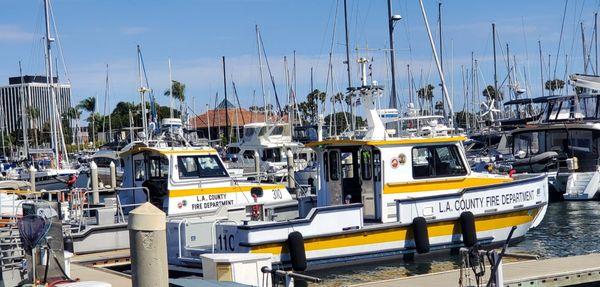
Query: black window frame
[(432, 150)]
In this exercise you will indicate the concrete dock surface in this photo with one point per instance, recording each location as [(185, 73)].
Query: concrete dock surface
[(84, 273), (561, 271)]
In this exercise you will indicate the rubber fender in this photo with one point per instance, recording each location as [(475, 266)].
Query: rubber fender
[(467, 227), (68, 244), (421, 236), (295, 244)]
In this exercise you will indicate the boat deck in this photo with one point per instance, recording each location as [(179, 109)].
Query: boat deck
[(84, 273)]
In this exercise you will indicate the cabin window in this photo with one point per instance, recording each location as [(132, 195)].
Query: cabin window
[(271, 155), (159, 167), (377, 165), (249, 132), (233, 150), (200, 166), (248, 154), (366, 165), (326, 165), (437, 161), (347, 165), (277, 131), (140, 173), (104, 162), (334, 165)]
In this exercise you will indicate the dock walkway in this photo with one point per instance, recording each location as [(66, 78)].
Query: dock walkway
[(563, 271), (84, 273)]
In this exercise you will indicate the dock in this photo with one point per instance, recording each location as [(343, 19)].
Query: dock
[(562, 271), (85, 273)]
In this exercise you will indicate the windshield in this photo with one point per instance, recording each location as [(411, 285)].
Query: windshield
[(202, 166)]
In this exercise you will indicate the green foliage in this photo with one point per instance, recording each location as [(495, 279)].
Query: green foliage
[(426, 92), (462, 118), (309, 108), (553, 85), (178, 91), (340, 121), (490, 93)]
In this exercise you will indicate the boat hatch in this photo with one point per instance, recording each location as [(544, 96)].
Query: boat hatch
[(353, 175)]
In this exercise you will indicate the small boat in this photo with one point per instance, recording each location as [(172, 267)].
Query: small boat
[(103, 158), (380, 196)]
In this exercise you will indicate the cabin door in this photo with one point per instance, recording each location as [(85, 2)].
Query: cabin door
[(367, 183)]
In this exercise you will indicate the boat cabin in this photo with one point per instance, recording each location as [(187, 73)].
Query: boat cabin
[(376, 173), (187, 180)]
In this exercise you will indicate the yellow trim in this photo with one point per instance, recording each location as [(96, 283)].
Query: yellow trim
[(397, 141), (444, 228), (171, 151), (442, 184), (224, 189)]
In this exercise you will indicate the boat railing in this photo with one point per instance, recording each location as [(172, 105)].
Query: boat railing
[(80, 208)]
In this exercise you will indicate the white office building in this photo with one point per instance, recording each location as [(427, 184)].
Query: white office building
[(36, 93)]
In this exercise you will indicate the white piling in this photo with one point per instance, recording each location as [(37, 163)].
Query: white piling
[(94, 175), (32, 172), (148, 243), (257, 165), (290, 167), (113, 175)]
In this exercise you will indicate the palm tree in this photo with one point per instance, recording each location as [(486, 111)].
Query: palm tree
[(553, 85), (73, 115), (89, 105), (34, 114), (426, 93), (178, 93)]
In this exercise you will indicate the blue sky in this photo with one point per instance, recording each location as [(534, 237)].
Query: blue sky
[(196, 33)]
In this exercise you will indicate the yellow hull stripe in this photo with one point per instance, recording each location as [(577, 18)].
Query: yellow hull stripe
[(404, 141), (444, 228), (225, 189), (442, 184)]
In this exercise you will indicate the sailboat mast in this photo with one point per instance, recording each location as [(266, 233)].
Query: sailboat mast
[(348, 63), (50, 81), (262, 80), (142, 91), (170, 91), (441, 43), (541, 66), (227, 136), (585, 58), (495, 62), (23, 114), (393, 97)]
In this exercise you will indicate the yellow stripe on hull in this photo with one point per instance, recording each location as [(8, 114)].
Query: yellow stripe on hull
[(399, 141), (442, 184), (444, 228), (226, 189)]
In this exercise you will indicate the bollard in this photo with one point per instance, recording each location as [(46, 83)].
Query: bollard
[(148, 243), (32, 172), (94, 175), (290, 167), (113, 175), (257, 165)]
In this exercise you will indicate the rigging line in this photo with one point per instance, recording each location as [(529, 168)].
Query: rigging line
[(336, 3), (238, 101), (562, 27), (58, 43), (270, 73)]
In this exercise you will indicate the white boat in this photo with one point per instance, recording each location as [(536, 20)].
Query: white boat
[(381, 196), (271, 142)]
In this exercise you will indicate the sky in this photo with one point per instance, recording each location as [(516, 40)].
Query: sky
[(195, 34)]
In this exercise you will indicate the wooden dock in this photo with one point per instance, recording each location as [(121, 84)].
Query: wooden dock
[(563, 271)]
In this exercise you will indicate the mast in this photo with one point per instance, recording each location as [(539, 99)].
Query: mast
[(171, 115), (262, 81), (393, 96), (585, 62), (596, 41), (495, 62), (23, 114), (208, 121), (441, 43), (50, 81), (226, 104), (348, 62), (438, 65), (142, 90), (541, 66)]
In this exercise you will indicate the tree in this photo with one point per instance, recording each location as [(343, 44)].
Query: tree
[(309, 108), (553, 85), (34, 114), (73, 114), (178, 93), (491, 93), (426, 94), (341, 121), (89, 105)]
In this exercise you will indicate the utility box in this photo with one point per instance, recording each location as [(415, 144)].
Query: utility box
[(241, 268)]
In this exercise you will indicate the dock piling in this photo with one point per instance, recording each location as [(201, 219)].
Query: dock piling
[(94, 175), (257, 165), (113, 175), (290, 166), (148, 241), (32, 172)]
